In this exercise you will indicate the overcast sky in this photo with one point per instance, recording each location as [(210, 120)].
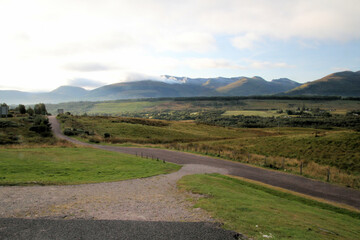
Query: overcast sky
[(88, 43)]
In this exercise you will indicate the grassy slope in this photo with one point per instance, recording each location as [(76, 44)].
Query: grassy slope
[(255, 210), (338, 148), (74, 166)]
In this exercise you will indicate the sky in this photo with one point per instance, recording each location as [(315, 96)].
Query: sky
[(90, 43)]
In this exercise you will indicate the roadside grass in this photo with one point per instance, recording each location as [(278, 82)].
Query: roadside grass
[(260, 212), (63, 165)]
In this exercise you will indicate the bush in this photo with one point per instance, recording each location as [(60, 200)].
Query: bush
[(69, 132), (94, 140), (42, 126)]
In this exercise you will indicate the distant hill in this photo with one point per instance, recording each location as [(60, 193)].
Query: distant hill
[(345, 84), (147, 89), (336, 84)]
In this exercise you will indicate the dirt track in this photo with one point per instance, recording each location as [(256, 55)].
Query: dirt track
[(291, 182)]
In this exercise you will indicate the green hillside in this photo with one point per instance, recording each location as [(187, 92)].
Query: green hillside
[(337, 84)]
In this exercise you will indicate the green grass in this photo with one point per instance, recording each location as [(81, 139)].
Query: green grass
[(255, 210), (74, 166)]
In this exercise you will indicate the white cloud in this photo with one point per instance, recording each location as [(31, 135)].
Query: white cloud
[(87, 67), (187, 41), (246, 41), (266, 64), (39, 37), (209, 63)]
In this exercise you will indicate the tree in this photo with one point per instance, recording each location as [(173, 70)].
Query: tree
[(22, 109), (40, 109), (30, 111)]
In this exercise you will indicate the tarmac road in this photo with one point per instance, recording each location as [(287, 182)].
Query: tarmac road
[(291, 182), (39, 229)]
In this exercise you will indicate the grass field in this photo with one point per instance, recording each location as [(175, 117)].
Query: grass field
[(263, 213), (48, 166)]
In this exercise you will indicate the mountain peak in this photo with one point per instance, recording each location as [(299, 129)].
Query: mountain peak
[(69, 90)]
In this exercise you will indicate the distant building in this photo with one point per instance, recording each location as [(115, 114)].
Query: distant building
[(4, 110), (60, 111)]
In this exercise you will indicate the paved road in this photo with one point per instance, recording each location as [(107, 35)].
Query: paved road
[(14, 228), (291, 182)]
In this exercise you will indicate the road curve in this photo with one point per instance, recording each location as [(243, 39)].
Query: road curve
[(295, 183)]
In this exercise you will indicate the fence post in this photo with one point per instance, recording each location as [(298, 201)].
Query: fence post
[(301, 167), (283, 163), (328, 175), (265, 161)]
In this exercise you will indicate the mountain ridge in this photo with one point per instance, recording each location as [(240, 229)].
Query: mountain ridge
[(336, 84)]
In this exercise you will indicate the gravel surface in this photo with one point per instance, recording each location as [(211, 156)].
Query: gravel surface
[(147, 199)]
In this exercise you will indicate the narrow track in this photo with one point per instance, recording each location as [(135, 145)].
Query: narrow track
[(294, 183)]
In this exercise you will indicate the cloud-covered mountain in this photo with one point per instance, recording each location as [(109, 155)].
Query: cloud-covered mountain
[(339, 84)]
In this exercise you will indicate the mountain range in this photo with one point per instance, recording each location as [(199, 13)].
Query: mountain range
[(338, 84)]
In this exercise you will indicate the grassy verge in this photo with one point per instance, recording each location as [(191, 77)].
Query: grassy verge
[(261, 212), (74, 166)]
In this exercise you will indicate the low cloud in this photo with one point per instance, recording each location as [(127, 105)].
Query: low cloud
[(85, 83)]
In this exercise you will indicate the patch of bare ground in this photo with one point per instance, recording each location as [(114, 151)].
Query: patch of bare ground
[(151, 199)]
